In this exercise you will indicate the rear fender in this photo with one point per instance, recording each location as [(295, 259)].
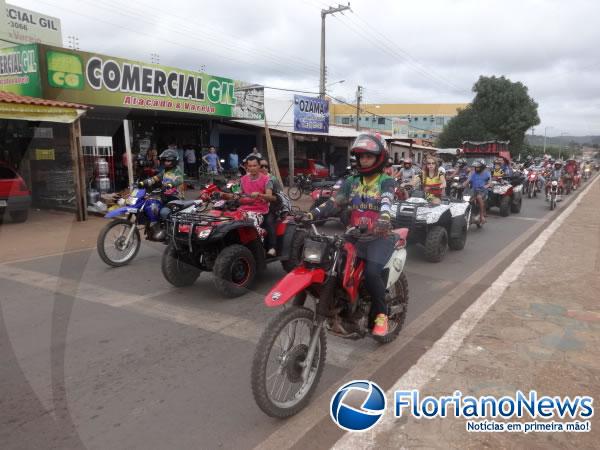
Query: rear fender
[(293, 283)]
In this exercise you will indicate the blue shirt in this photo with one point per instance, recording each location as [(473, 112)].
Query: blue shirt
[(212, 159), (234, 161), (479, 180)]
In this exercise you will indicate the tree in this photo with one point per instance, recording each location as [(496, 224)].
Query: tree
[(500, 110)]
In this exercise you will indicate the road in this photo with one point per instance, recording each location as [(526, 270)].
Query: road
[(96, 357)]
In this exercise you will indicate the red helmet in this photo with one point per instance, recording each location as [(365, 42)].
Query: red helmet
[(374, 145)]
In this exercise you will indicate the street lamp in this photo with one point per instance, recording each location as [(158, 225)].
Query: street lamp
[(335, 82)]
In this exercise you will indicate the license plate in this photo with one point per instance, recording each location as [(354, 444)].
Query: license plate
[(2, 203)]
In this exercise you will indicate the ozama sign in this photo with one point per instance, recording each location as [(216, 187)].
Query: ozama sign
[(93, 79), (311, 114)]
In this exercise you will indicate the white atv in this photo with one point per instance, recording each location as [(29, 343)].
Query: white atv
[(435, 226)]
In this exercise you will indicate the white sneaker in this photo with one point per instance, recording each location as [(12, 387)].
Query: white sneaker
[(271, 252)]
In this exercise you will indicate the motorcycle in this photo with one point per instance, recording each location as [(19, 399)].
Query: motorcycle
[(119, 241), (532, 186), (294, 343), (474, 216), (326, 191), (587, 173), (302, 185), (457, 188), (555, 192)]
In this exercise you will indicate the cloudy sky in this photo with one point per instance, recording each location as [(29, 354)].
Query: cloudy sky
[(399, 51)]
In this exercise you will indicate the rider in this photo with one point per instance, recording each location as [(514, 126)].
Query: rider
[(498, 171), (462, 169), (408, 174), (170, 177), (433, 180), (557, 174), (369, 196), (258, 190), (479, 179)]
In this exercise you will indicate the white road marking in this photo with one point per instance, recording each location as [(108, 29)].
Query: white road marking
[(160, 306), (434, 359)]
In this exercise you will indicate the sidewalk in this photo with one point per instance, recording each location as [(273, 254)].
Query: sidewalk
[(47, 232), (542, 333)]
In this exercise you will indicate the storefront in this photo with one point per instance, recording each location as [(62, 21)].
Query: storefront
[(136, 106)]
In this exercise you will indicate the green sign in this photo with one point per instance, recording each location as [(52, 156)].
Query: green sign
[(92, 79), (20, 70)]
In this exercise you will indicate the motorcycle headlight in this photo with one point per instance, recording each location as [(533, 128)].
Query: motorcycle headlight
[(314, 251), (203, 233)]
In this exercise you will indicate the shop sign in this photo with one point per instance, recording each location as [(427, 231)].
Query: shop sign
[(19, 70), (29, 27), (93, 79), (44, 154), (311, 114)]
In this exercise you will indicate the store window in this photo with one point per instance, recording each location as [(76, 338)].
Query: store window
[(439, 121), (381, 121), (345, 120)]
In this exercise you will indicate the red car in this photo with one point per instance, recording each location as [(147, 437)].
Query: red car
[(15, 196), (316, 169)]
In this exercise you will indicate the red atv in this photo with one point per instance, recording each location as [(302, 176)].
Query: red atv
[(227, 242)]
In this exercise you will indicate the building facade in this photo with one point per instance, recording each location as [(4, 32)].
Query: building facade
[(424, 121)]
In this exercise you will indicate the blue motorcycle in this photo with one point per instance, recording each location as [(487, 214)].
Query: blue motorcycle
[(119, 241)]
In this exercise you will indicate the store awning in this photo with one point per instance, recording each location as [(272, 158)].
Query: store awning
[(21, 107)]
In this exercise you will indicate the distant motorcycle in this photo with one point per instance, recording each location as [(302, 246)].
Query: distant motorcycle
[(302, 185), (532, 185), (555, 192)]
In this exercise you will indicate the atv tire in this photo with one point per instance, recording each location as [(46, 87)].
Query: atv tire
[(505, 206), (234, 270), (296, 251), (458, 243), (436, 244), (515, 208), (177, 270)]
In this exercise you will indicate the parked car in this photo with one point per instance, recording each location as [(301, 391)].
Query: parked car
[(15, 196), (316, 169)]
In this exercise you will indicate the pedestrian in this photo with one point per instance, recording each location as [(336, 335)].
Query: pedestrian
[(234, 161), (190, 162), (212, 161), (254, 154), (152, 157)]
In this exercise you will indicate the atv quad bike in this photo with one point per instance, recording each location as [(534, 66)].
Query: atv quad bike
[(436, 227), (229, 243)]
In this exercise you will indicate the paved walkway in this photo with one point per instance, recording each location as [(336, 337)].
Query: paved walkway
[(536, 328)]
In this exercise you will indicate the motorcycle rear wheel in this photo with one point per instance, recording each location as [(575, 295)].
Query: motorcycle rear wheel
[(268, 388), (294, 193), (106, 248)]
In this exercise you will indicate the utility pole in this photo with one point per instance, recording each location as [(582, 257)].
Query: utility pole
[(358, 99), (324, 13)]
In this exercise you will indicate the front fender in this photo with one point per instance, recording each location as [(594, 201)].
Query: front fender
[(120, 212), (293, 283)]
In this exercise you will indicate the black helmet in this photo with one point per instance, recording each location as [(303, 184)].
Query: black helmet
[(372, 144), (389, 163), (462, 162), (169, 155)]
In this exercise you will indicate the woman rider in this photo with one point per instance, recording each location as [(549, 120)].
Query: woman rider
[(433, 180), (369, 196)]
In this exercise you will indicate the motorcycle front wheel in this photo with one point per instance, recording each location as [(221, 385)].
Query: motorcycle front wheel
[(112, 244), (277, 383)]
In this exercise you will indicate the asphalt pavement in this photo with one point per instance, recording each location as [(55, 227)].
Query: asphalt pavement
[(98, 357)]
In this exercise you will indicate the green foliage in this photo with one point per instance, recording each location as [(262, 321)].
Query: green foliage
[(500, 110)]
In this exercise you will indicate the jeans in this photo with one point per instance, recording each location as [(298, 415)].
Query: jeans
[(269, 226), (376, 255)]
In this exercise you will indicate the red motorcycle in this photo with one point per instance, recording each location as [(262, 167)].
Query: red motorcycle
[(228, 242), (290, 354), (532, 183)]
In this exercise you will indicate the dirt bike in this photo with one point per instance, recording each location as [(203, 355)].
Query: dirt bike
[(119, 241), (475, 212), (532, 184), (555, 192), (294, 343)]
